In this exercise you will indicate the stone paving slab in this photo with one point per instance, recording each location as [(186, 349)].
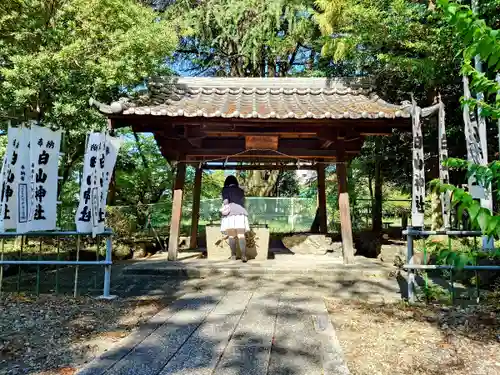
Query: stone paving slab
[(201, 352), (299, 265), (150, 347), (250, 347), (296, 349), (238, 332)]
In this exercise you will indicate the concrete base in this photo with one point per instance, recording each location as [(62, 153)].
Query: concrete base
[(318, 244), (107, 298), (218, 247)]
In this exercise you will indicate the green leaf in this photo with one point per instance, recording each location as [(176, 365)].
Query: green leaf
[(462, 260), (450, 259), (473, 210), (460, 211), (484, 220), (492, 225)]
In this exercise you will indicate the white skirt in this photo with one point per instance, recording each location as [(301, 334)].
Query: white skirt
[(234, 222)]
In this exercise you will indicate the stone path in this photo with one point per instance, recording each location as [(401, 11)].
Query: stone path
[(250, 331)]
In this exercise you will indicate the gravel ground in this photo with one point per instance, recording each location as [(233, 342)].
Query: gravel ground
[(49, 334), (397, 339)]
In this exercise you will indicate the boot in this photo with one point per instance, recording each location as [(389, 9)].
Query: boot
[(243, 248), (232, 245)]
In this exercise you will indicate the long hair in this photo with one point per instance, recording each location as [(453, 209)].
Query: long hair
[(230, 180)]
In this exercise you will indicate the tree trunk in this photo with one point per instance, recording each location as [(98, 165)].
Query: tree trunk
[(436, 215), (377, 203), (257, 184)]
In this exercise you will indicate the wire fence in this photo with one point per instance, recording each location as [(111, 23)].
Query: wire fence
[(280, 214), (37, 262), (459, 264)]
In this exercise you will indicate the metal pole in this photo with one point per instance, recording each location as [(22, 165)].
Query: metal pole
[(98, 241), (75, 287), (498, 99), (481, 121), (19, 268), (411, 272), (57, 266), (38, 268), (107, 271), (1, 267)]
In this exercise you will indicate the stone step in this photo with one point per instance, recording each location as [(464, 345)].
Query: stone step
[(237, 332)]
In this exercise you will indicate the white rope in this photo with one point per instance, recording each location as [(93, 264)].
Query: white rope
[(225, 159)]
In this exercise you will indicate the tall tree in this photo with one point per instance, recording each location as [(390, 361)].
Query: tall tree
[(246, 38), (57, 54)]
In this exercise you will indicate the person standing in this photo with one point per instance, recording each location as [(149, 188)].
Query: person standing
[(234, 221)]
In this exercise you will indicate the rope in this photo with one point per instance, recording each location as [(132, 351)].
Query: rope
[(225, 159)]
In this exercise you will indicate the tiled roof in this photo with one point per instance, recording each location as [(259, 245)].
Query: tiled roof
[(258, 98)]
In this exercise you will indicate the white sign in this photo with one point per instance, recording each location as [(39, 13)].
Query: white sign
[(99, 162), (418, 196), (38, 196), (444, 175), (15, 145), (23, 182), (3, 175), (473, 143)]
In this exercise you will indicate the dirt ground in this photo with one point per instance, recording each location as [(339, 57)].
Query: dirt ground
[(52, 334), (381, 339), (45, 335)]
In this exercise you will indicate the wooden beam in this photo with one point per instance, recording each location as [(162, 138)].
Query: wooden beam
[(195, 216), (259, 167), (344, 208), (205, 122), (175, 222), (239, 144), (283, 154), (323, 226)]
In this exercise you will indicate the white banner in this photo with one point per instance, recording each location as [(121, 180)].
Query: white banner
[(444, 174), (23, 183), (38, 194), (3, 175), (99, 162), (110, 156), (418, 194), (16, 148), (473, 144)]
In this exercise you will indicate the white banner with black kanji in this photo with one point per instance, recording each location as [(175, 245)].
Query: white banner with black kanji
[(444, 174), (41, 191), (473, 143), (99, 162), (418, 193), (9, 190)]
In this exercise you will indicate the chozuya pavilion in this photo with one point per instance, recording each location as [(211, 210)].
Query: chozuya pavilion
[(272, 121)]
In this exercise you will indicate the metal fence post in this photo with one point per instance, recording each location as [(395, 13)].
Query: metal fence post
[(107, 271), (75, 286), (1, 265), (411, 272)]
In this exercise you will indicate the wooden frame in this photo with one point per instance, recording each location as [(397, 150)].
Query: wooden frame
[(288, 143)]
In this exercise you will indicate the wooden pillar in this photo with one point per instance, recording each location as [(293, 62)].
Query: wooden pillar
[(195, 218), (344, 208), (175, 222), (323, 222)]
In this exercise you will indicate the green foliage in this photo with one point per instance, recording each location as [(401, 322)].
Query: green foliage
[(480, 217), (212, 184), (288, 184), (142, 175), (434, 293), (399, 40), (244, 37), (55, 55), (476, 39)]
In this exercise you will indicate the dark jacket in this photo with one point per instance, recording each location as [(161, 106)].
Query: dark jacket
[(235, 196)]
